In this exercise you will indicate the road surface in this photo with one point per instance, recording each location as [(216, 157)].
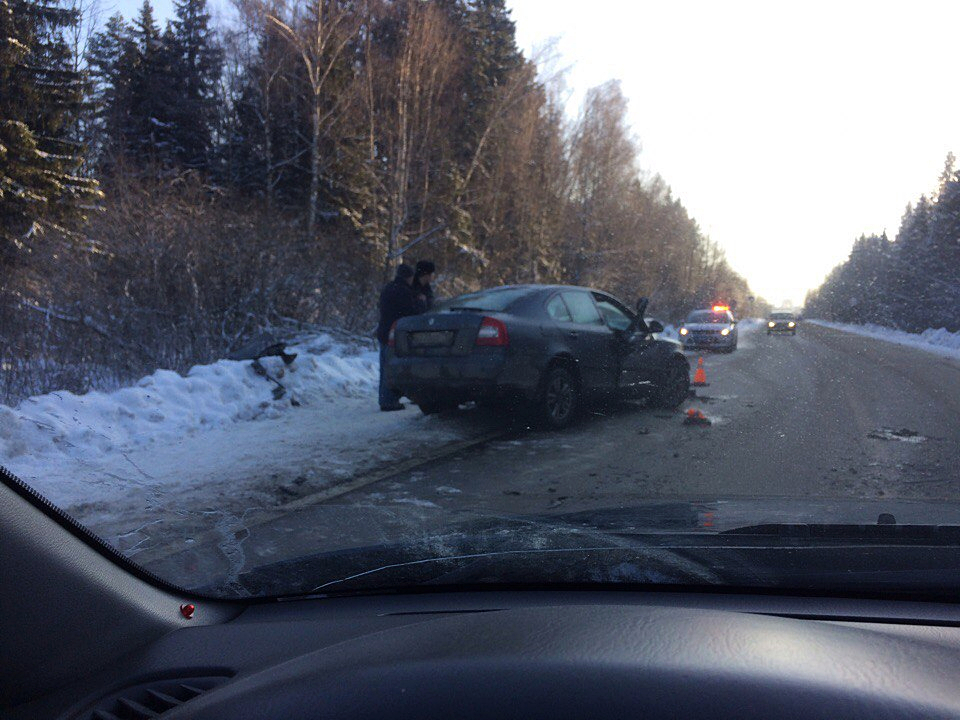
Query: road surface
[(822, 415)]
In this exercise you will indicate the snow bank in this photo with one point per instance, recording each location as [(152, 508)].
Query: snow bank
[(165, 406), (177, 454), (938, 341)]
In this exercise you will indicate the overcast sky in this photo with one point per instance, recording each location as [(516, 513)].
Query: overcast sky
[(787, 129)]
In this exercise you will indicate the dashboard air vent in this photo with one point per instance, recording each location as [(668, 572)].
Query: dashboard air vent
[(152, 699)]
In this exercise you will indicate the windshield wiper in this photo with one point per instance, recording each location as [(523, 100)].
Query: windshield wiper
[(884, 531), (471, 309)]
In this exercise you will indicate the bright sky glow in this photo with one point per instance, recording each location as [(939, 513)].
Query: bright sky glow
[(787, 129)]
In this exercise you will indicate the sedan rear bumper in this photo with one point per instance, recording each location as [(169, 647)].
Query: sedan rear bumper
[(480, 375)]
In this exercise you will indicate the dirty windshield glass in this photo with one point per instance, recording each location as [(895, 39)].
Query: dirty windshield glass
[(317, 297)]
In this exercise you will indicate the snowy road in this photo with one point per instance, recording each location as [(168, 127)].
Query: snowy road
[(826, 414)]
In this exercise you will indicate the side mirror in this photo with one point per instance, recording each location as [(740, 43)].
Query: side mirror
[(655, 326), (642, 306)]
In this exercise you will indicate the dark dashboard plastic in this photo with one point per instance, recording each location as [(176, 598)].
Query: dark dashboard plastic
[(81, 635), (534, 655)]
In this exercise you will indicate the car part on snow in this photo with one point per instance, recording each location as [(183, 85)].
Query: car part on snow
[(696, 417), (263, 346), (266, 346), (279, 391)]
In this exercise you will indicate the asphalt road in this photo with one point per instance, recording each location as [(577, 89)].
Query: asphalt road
[(822, 415), (792, 417)]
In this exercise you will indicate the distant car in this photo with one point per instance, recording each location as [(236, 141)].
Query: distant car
[(553, 346), (713, 328), (782, 322)]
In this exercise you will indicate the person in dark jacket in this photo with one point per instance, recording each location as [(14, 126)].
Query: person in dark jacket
[(422, 278), (397, 300)]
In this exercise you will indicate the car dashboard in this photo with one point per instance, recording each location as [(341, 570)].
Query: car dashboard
[(86, 637)]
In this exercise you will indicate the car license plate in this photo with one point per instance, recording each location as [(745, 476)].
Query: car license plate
[(437, 338)]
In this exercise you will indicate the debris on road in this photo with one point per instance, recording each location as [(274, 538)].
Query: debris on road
[(696, 417), (902, 434), (643, 431)]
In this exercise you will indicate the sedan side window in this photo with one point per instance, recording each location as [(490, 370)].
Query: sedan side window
[(615, 318), (582, 308), (558, 310)]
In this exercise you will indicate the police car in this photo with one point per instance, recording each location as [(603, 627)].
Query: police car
[(712, 328)]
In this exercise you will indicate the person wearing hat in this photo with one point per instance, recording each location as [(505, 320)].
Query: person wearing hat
[(422, 278), (397, 300)]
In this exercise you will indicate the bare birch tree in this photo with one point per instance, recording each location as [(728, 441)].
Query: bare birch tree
[(318, 32)]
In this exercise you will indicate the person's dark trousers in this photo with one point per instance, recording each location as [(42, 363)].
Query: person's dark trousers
[(388, 398)]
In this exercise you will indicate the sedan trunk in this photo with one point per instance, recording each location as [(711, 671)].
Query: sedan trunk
[(447, 334)]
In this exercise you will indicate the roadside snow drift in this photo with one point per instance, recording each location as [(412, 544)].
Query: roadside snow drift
[(939, 341), (165, 406), (215, 438)]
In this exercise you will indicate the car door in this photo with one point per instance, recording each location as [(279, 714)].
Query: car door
[(634, 370), (590, 340)]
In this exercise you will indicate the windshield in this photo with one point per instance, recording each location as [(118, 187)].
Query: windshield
[(706, 316), (315, 297)]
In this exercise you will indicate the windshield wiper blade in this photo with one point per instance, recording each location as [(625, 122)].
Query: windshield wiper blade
[(471, 309), (866, 533)]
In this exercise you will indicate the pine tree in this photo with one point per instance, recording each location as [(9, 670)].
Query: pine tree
[(492, 54), (196, 64), (40, 186), (150, 131), (944, 290), (111, 58)]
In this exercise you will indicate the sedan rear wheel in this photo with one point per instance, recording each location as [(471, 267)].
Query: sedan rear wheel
[(429, 407), (432, 407), (561, 399)]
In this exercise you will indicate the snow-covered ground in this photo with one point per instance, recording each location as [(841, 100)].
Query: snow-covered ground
[(215, 437), (938, 341)]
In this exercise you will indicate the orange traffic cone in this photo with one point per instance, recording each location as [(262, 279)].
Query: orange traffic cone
[(700, 376)]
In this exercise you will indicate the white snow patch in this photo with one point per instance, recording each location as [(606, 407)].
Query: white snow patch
[(939, 341), (415, 501), (213, 437)]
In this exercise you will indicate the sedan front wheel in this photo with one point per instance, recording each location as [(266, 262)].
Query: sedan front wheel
[(674, 387)]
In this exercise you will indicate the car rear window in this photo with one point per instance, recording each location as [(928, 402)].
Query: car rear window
[(496, 300), (582, 308), (558, 310)]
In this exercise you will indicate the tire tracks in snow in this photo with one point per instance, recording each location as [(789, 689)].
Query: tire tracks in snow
[(214, 538)]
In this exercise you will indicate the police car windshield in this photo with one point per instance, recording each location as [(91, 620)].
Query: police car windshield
[(707, 316)]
